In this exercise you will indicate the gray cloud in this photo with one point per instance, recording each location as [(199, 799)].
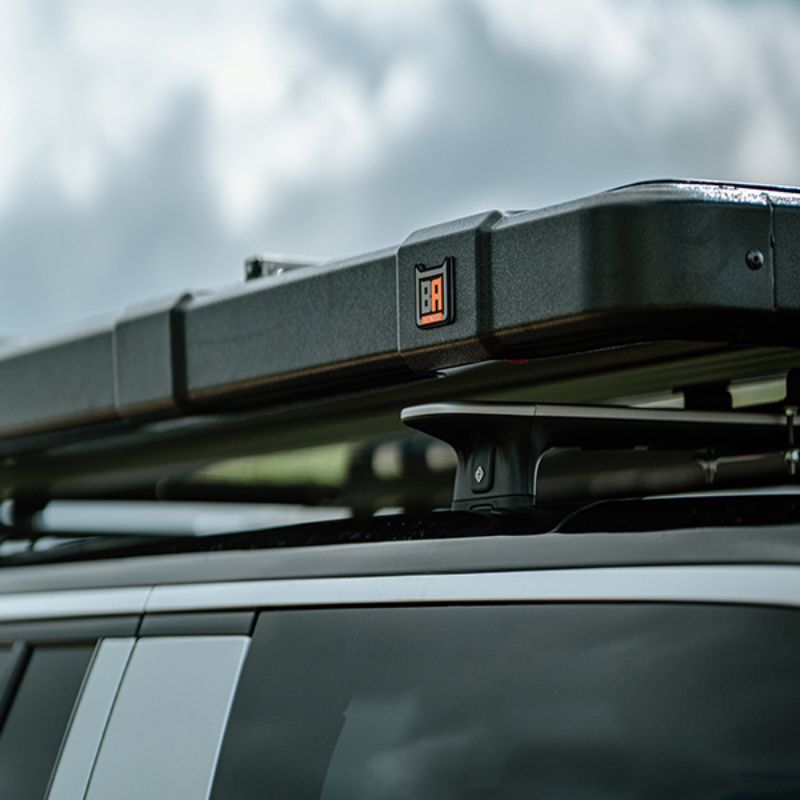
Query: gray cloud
[(152, 228), (181, 143)]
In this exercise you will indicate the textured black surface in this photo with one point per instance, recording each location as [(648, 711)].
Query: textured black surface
[(653, 262), (294, 327), (787, 255), (464, 340), (149, 385), (65, 381), (629, 253)]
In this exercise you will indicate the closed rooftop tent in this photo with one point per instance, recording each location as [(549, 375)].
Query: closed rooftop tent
[(508, 510), (637, 290)]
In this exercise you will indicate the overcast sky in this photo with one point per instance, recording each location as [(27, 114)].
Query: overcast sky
[(148, 147)]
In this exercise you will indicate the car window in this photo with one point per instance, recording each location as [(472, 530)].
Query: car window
[(517, 702), (37, 718)]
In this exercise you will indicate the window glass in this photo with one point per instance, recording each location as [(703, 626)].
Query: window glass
[(7, 680), (545, 701), (4, 669), (31, 736)]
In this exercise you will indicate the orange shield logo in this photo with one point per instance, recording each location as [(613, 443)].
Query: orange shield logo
[(434, 298)]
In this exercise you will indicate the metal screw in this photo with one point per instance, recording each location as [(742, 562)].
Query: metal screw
[(754, 259), (479, 473), (253, 268), (710, 466)]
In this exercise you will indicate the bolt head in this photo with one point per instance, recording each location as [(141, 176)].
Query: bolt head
[(754, 259)]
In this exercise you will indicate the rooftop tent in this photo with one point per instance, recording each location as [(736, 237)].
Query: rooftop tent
[(640, 290)]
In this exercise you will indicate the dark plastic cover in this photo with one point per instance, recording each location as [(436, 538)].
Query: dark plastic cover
[(652, 262)]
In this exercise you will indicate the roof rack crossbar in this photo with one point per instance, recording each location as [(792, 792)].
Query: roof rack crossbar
[(500, 446)]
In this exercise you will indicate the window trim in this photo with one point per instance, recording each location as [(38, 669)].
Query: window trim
[(763, 585)]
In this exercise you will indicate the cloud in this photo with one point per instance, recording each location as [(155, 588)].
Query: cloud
[(151, 227), (150, 148), (705, 82)]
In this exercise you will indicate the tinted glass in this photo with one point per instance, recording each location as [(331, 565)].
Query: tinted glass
[(7, 680), (4, 669), (39, 713), (597, 701)]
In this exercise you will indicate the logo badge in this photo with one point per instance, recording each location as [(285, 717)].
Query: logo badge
[(434, 294)]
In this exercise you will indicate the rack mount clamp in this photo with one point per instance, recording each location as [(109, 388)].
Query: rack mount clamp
[(500, 446)]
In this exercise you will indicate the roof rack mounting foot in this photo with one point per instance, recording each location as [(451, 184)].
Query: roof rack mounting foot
[(714, 396)]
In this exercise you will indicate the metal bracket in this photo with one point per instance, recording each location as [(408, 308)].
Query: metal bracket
[(500, 446)]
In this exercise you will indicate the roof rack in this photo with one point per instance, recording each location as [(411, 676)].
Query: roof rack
[(500, 446), (643, 288)]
